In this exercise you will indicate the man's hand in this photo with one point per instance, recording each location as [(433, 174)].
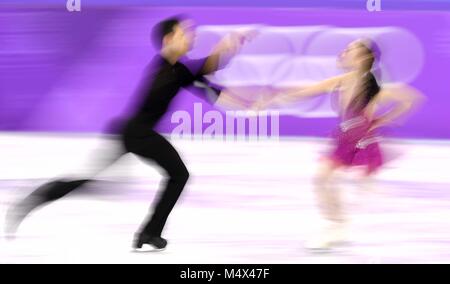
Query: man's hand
[(229, 45), (233, 42)]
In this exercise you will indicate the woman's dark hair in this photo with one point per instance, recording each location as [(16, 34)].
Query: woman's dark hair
[(372, 53), (163, 28), (369, 86)]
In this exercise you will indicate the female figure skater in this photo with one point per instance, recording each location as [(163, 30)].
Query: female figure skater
[(356, 138)]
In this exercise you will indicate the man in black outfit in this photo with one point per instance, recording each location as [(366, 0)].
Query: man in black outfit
[(174, 38)]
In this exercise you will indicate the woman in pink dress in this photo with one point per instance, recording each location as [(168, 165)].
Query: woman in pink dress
[(356, 138)]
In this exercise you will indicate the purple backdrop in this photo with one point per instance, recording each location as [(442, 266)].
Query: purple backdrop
[(62, 71)]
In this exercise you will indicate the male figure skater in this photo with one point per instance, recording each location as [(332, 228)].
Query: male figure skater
[(174, 38)]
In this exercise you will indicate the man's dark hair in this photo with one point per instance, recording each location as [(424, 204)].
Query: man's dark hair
[(163, 28)]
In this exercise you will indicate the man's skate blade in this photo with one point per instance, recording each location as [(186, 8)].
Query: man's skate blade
[(147, 249)]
